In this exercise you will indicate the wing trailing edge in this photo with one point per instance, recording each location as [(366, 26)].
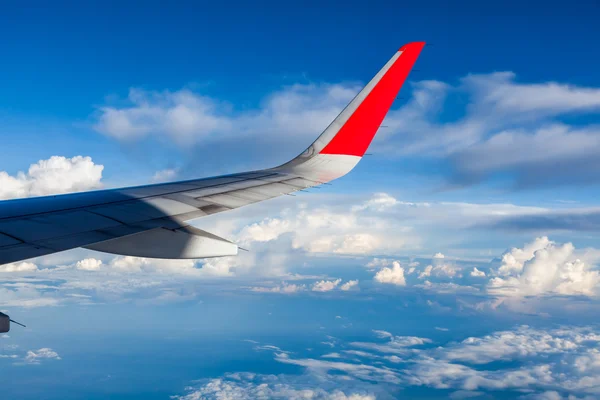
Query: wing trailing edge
[(182, 243)]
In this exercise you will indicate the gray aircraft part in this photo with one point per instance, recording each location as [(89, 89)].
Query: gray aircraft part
[(4, 323)]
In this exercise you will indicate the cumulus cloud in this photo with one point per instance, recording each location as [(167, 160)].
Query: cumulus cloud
[(326, 286), (89, 264), (393, 275), (544, 267), (513, 260), (52, 176), (378, 263), (342, 229), (350, 285), (128, 264), (541, 267), (284, 288), (426, 272), (477, 273), (24, 266), (37, 356), (440, 270)]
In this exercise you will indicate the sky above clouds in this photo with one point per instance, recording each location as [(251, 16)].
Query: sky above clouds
[(460, 259)]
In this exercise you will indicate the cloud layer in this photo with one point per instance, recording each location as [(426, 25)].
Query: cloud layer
[(524, 361), (504, 126), (188, 117)]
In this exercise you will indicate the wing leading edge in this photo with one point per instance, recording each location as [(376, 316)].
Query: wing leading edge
[(139, 220)]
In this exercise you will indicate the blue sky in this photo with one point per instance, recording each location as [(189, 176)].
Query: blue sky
[(459, 260)]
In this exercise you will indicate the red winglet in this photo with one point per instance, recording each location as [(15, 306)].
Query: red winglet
[(357, 133)]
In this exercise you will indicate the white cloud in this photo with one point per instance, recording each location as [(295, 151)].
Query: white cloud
[(477, 273), (187, 117), (89, 264), (165, 175), (376, 263), (382, 334), (27, 296), (265, 231), (326, 286), (438, 256), (36, 356), (513, 260), (544, 267), (500, 90), (440, 271), (248, 386), (350, 285), (52, 176), (399, 345), (19, 267), (329, 229), (492, 106), (519, 343), (394, 275), (182, 115), (379, 202), (520, 148), (556, 363), (285, 288), (357, 371), (128, 264), (508, 126), (426, 273)]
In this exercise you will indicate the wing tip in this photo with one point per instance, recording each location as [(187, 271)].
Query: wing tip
[(415, 45)]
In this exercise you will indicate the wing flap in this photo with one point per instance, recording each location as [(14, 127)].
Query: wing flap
[(185, 242)]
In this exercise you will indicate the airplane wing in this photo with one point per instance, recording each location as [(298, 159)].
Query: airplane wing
[(150, 221)]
